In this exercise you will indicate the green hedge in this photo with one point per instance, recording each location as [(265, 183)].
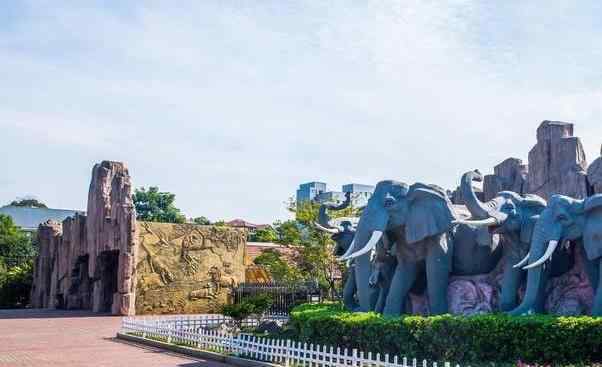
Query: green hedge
[(477, 339)]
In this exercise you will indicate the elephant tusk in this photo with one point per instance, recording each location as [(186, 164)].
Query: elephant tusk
[(376, 236), (522, 262), (549, 251), (348, 252), (477, 223), (324, 229)]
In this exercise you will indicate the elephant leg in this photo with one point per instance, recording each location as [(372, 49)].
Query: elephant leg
[(437, 277), (403, 280), (349, 292), (374, 296), (540, 301), (382, 296), (511, 280), (594, 274)]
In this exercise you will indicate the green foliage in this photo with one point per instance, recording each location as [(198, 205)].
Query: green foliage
[(220, 223), (279, 269), (15, 245), (202, 221), (264, 235), (155, 206), (256, 305), (477, 339), (289, 233), (15, 285), (28, 202), (16, 259)]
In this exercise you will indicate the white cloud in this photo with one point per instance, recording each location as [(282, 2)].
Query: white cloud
[(231, 106)]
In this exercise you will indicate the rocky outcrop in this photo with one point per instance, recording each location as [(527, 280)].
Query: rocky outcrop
[(557, 163), (594, 175), (510, 175), (111, 229), (43, 292), (91, 262), (88, 262)]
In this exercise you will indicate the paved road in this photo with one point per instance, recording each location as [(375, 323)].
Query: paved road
[(73, 338)]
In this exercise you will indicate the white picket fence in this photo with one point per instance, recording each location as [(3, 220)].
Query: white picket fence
[(201, 321), (187, 332)]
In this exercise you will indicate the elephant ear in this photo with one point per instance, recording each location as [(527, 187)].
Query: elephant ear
[(592, 231), (430, 212)]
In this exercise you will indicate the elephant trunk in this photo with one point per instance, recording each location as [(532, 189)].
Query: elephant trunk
[(323, 222), (486, 213), (539, 245)]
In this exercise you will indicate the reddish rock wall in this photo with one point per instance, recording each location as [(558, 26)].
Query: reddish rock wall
[(88, 262)]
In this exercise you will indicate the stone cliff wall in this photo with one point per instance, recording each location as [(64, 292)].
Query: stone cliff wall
[(557, 165), (185, 268)]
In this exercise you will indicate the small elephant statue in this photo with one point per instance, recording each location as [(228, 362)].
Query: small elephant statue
[(342, 233)]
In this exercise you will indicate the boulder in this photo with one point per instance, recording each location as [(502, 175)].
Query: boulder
[(510, 175), (557, 163)]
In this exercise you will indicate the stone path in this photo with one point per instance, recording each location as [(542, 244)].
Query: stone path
[(74, 338)]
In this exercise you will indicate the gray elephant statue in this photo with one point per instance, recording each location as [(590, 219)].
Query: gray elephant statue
[(428, 236), (513, 217), (565, 221), (343, 234), (417, 221)]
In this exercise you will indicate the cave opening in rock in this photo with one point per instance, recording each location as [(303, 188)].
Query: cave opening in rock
[(109, 266)]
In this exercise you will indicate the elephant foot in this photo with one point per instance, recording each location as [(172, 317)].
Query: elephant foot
[(522, 311)]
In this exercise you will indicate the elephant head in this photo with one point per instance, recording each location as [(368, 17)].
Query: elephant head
[(565, 219), (411, 214), (341, 229), (511, 216), (508, 213)]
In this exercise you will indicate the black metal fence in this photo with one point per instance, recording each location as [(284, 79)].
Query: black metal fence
[(284, 296)]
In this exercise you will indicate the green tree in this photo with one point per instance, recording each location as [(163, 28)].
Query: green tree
[(15, 244), (289, 232), (28, 202), (279, 269), (202, 221), (267, 234), (16, 264), (315, 247), (155, 206)]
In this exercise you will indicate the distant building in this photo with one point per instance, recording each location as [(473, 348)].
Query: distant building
[(317, 192), (309, 191), (29, 218), (330, 197), (251, 227), (359, 193)]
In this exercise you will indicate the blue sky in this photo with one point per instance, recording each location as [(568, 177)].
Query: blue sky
[(232, 104)]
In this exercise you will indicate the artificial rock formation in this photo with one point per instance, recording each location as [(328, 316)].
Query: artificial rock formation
[(510, 175), (43, 292), (185, 268), (91, 261), (111, 238), (557, 163)]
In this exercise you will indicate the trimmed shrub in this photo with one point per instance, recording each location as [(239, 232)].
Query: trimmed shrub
[(476, 339)]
